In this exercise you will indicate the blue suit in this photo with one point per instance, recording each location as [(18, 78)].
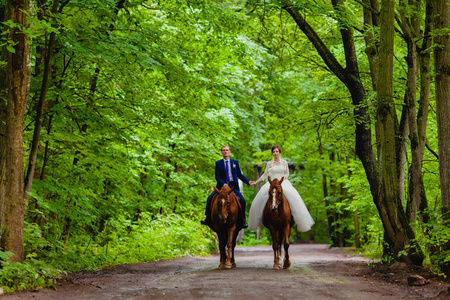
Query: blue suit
[(235, 171), (221, 181)]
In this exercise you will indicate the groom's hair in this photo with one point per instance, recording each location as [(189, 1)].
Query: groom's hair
[(224, 147)]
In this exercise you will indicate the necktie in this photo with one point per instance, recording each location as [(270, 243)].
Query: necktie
[(227, 171)]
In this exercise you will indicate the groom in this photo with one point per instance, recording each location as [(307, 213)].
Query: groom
[(228, 172)]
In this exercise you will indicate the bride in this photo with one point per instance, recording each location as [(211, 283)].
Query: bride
[(278, 168)]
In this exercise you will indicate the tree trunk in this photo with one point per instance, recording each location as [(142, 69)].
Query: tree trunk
[(371, 21), (355, 212), (18, 85), (328, 208), (411, 32), (357, 232), (386, 116), (40, 108), (424, 98), (401, 148), (2, 150), (442, 86), (3, 92)]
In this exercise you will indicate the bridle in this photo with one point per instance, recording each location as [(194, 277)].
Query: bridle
[(225, 200), (274, 207)]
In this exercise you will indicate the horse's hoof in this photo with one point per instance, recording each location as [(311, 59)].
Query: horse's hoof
[(233, 265), (221, 267), (228, 266), (286, 265), (276, 267)]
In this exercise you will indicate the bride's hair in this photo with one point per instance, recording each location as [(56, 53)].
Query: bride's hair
[(276, 147)]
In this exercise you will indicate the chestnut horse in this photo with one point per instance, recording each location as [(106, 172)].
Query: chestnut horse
[(277, 217), (224, 219)]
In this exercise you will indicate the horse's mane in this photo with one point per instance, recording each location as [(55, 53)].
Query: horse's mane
[(225, 188)]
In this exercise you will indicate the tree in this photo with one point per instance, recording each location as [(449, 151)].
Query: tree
[(442, 86), (17, 92), (383, 185), (397, 230)]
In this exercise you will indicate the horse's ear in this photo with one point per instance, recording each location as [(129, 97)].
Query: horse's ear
[(270, 180), (282, 178), (229, 192), (216, 189)]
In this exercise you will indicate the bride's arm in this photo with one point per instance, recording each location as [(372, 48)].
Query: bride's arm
[(266, 173), (286, 169)]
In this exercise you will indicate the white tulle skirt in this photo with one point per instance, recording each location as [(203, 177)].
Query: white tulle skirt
[(299, 211)]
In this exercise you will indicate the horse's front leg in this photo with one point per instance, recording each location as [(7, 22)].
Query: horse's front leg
[(232, 249), (275, 246), (222, 244), (231, 231), (287, 233), (280, 244)]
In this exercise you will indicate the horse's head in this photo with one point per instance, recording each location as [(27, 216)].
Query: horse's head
[(223, 202), (275, 194)]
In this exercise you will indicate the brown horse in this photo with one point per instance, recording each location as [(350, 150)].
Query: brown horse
[(277, 217), (224, 219)]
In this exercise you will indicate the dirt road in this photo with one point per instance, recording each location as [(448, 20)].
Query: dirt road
[(316, 273)]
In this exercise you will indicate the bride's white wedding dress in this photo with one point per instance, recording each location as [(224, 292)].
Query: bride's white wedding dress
[(299, 211)]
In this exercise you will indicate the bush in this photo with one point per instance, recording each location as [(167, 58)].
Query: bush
[(32, 273), (164, 237)]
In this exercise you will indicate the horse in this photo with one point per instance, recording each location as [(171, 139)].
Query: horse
[(224, 221), (278, 219)]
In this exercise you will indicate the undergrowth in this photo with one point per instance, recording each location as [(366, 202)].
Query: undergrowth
[(164, 237)]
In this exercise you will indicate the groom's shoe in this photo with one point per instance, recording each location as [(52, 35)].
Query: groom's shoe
[(244, 225), (206, 222)]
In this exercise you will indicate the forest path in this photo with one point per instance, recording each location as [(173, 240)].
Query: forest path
[(316, 273)]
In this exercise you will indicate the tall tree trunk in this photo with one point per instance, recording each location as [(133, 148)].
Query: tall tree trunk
[(355, 212), (442, 86), (3, 92), (40, 108), (424, 98), (401, 144), (18, 85), (333, 216), (411, 32), (328, 208), (2, 153), (357, 231), (372, 20), (397, 233)]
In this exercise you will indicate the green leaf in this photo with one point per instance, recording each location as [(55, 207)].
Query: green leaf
[(10, 49)]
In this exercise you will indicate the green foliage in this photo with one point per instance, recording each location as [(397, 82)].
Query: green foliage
[(33, 273), (148, 240), (433, 238), (250, 238), (164, 237), (142, 98)]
